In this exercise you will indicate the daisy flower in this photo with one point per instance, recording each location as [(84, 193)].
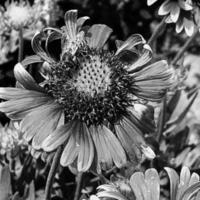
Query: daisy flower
[(179, 12), (92, 101), (17, 14), (146, 186)]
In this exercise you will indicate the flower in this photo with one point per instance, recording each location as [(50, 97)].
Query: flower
[(147, 186), (179, 12), (187, 186), (89, 100), (9, 138), (17, 14)]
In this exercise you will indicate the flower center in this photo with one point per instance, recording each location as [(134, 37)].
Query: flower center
[(92, 86), (94, 75)]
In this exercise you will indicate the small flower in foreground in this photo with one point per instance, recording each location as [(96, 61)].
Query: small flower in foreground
[(89, 100), (185, 187), (17, 14), (147, 186), (144, 186), (179, 12)]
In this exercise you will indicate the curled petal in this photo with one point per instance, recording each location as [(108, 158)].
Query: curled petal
[(71, 24), (37, 48), (25, 79), (31, 60), (130, 44), (144, 57), (80, 22)]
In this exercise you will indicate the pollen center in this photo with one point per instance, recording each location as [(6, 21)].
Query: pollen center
[(93, 76), (92, 86)]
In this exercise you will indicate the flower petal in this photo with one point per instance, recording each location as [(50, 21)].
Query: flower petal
[(165, 8), (24, 104), (80, 22), (188, 26), (191, 191), (179, 25), (185, 5), (153, 183), (184, 181), (175, 12), (119, 156), (86, 152), (143, 59), (111, 195), (36, 120), (194, 179), (11, 93), (56, 138), (71, 24), (174, 182), (143, 117), (129, 144), (138, 186), (37, 48), (148, 152), (31, 59), (151, 2), (152, 81), (72, 148), (50, 38), (130, 43), (25, 79), (103, 156), (49, 126), (97, 35)]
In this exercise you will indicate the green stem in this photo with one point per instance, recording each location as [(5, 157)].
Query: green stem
[(157, 31), (78, 185), (184, 48), (52, 173), (21, 45), (161, 119)]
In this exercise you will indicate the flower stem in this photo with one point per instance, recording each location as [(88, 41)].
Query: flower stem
[(21, 45), (78, 185), (157, 31), (52, 173), (184, 48), (161, 122)]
